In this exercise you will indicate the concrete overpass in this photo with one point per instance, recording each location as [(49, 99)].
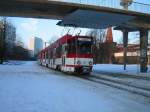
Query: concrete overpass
[(83, 15), (54, 9), (60, 10)]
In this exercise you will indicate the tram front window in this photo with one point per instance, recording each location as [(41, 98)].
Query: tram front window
[(84, 47)]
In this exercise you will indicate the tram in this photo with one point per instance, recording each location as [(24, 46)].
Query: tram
[(69, 54)]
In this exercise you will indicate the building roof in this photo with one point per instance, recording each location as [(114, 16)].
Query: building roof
[(131, 48)]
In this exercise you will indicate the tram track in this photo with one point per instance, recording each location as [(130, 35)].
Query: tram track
[(120, 82), (119, 85), (122, 75), (111, 83)]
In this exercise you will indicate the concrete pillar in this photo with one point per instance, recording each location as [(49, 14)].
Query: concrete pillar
[(143, 50), (125, 45)]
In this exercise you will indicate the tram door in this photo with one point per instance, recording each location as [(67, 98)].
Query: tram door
[(63, 60), (64, 55)]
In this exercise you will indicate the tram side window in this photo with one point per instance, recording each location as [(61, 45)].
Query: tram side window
[(71, 47), (51, 54), (58, 51), (47, 55), (43, 55), (63, 49)]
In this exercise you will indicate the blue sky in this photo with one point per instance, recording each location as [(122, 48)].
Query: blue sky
[(42, 28), (28, 27), (143, 1), (46, 28)]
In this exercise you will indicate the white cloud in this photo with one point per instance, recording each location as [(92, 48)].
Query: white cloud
[(30, 25)]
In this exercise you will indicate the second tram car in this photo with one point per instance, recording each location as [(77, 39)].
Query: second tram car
[(69, 54)]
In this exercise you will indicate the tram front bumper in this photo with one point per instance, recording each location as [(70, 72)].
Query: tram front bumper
[(83, 69)]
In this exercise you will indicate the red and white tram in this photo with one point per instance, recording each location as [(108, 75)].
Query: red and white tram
[(69, 54)]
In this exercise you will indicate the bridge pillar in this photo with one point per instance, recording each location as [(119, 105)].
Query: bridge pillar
[(143, 50), (125, 45)]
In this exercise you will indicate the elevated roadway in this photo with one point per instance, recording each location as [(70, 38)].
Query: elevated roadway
[(50, 9)]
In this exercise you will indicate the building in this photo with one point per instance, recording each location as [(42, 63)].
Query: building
[(104, 51), (133, 54), (35, 45)]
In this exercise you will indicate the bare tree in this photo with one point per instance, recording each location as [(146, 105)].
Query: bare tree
[(53, 39), (99, 35), (120, 40), (8, 37), (2, 39), (19, 40), (135, 38), (103, 49)]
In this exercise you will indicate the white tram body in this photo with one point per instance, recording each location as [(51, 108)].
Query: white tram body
[(69, 54)]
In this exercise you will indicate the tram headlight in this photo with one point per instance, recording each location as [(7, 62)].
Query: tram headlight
[(78, 62), (90, 63)]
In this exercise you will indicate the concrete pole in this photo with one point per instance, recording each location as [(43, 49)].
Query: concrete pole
[(125, 45), (143, 50)]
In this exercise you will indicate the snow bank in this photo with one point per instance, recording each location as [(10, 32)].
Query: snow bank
[(31, 88), (131, 69)]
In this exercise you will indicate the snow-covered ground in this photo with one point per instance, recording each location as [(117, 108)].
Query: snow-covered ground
[(27, 87), (112, 68), (11, 62)]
